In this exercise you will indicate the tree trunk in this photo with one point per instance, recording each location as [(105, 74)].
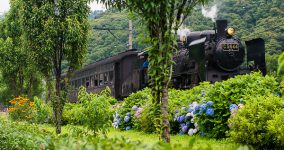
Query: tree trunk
[(58, 103), (165, 116)]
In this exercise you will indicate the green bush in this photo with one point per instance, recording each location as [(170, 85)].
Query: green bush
[(250, 124), (72, 114), (96, 110), (21, 135), (276, 126), (235, 90), (43, 113)]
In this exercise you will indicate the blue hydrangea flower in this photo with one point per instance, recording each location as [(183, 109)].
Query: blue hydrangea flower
[(209, 103), (202, 92), (186, 117), (196, 107), (127, 128), (210, 112), (184, 129), (176, 111), (190, 110), (134, 107), (126, 118), (233, 106), (128, 114), (180, 119), (202, 108)]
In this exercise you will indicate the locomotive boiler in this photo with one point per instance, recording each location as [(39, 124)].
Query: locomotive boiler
[(215, 55), (211, 55)]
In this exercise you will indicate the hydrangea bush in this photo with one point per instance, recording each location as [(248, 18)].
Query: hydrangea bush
[(258, 123), (208, 105), (227, 95)]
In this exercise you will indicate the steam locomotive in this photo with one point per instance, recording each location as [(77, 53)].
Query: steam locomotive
[(211, 55)]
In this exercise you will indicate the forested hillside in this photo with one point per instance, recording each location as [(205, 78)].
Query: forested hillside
[(105, 43), (252, 19)]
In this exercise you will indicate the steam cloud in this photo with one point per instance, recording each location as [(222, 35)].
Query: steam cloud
[(210, 12), (183, 32)]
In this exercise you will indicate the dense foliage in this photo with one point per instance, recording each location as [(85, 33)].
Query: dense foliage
[(256, 122), (21, 135), (205, 108), (34, 111), (19, 75), (92, 110)]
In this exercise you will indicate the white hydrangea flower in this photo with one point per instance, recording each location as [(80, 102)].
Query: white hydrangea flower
[(194, 131), (190, 132)]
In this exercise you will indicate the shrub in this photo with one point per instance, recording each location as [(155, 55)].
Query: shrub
[(250, 124), (235, 90), (72, 114), (43, 113), (21, 109), (276, 126), (21, 135), (96, 110)]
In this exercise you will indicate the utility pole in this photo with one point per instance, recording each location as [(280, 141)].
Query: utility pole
[(130, 34)]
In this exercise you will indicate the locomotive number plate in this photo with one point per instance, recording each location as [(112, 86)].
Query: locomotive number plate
[(230, 47)]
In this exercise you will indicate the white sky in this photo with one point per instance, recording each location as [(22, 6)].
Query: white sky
[(4, 6)]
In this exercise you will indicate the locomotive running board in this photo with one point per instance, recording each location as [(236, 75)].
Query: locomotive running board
[(256, 53), (197, 52)]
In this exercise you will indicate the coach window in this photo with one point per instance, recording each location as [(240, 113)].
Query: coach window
[(101, 79), (75, 82), (110, 77), (87, 82), (96, 81), (106, 78), (91, 81), (83, 81)]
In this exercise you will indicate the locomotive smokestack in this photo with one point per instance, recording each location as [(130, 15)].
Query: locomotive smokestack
[(221, 26)]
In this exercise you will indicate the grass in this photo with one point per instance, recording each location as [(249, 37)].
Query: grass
[(197, 142), (184, 140)]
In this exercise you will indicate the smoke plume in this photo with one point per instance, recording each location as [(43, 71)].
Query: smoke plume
[(182, 33), (210, 12)]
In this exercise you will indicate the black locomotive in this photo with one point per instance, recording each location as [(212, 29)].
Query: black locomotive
[(211, 55)]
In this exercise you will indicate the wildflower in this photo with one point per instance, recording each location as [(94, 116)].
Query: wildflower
[(190, 110), (134, 107), (202, 108), (128, 114), (127, 128), (240, 106), (138, 112), (202, 92), (189, 114), (194, 104), (126, 118), (190, 132), (176, 111), (209, 103), (210, 112), (181, 118), (184, 128), (233, 106), (194, 131)]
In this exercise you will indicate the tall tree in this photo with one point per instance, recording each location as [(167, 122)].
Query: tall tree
[(17, 69), (162, 18), (56, 31)]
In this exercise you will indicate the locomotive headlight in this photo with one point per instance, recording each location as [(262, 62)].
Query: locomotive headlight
[(230, 31)]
